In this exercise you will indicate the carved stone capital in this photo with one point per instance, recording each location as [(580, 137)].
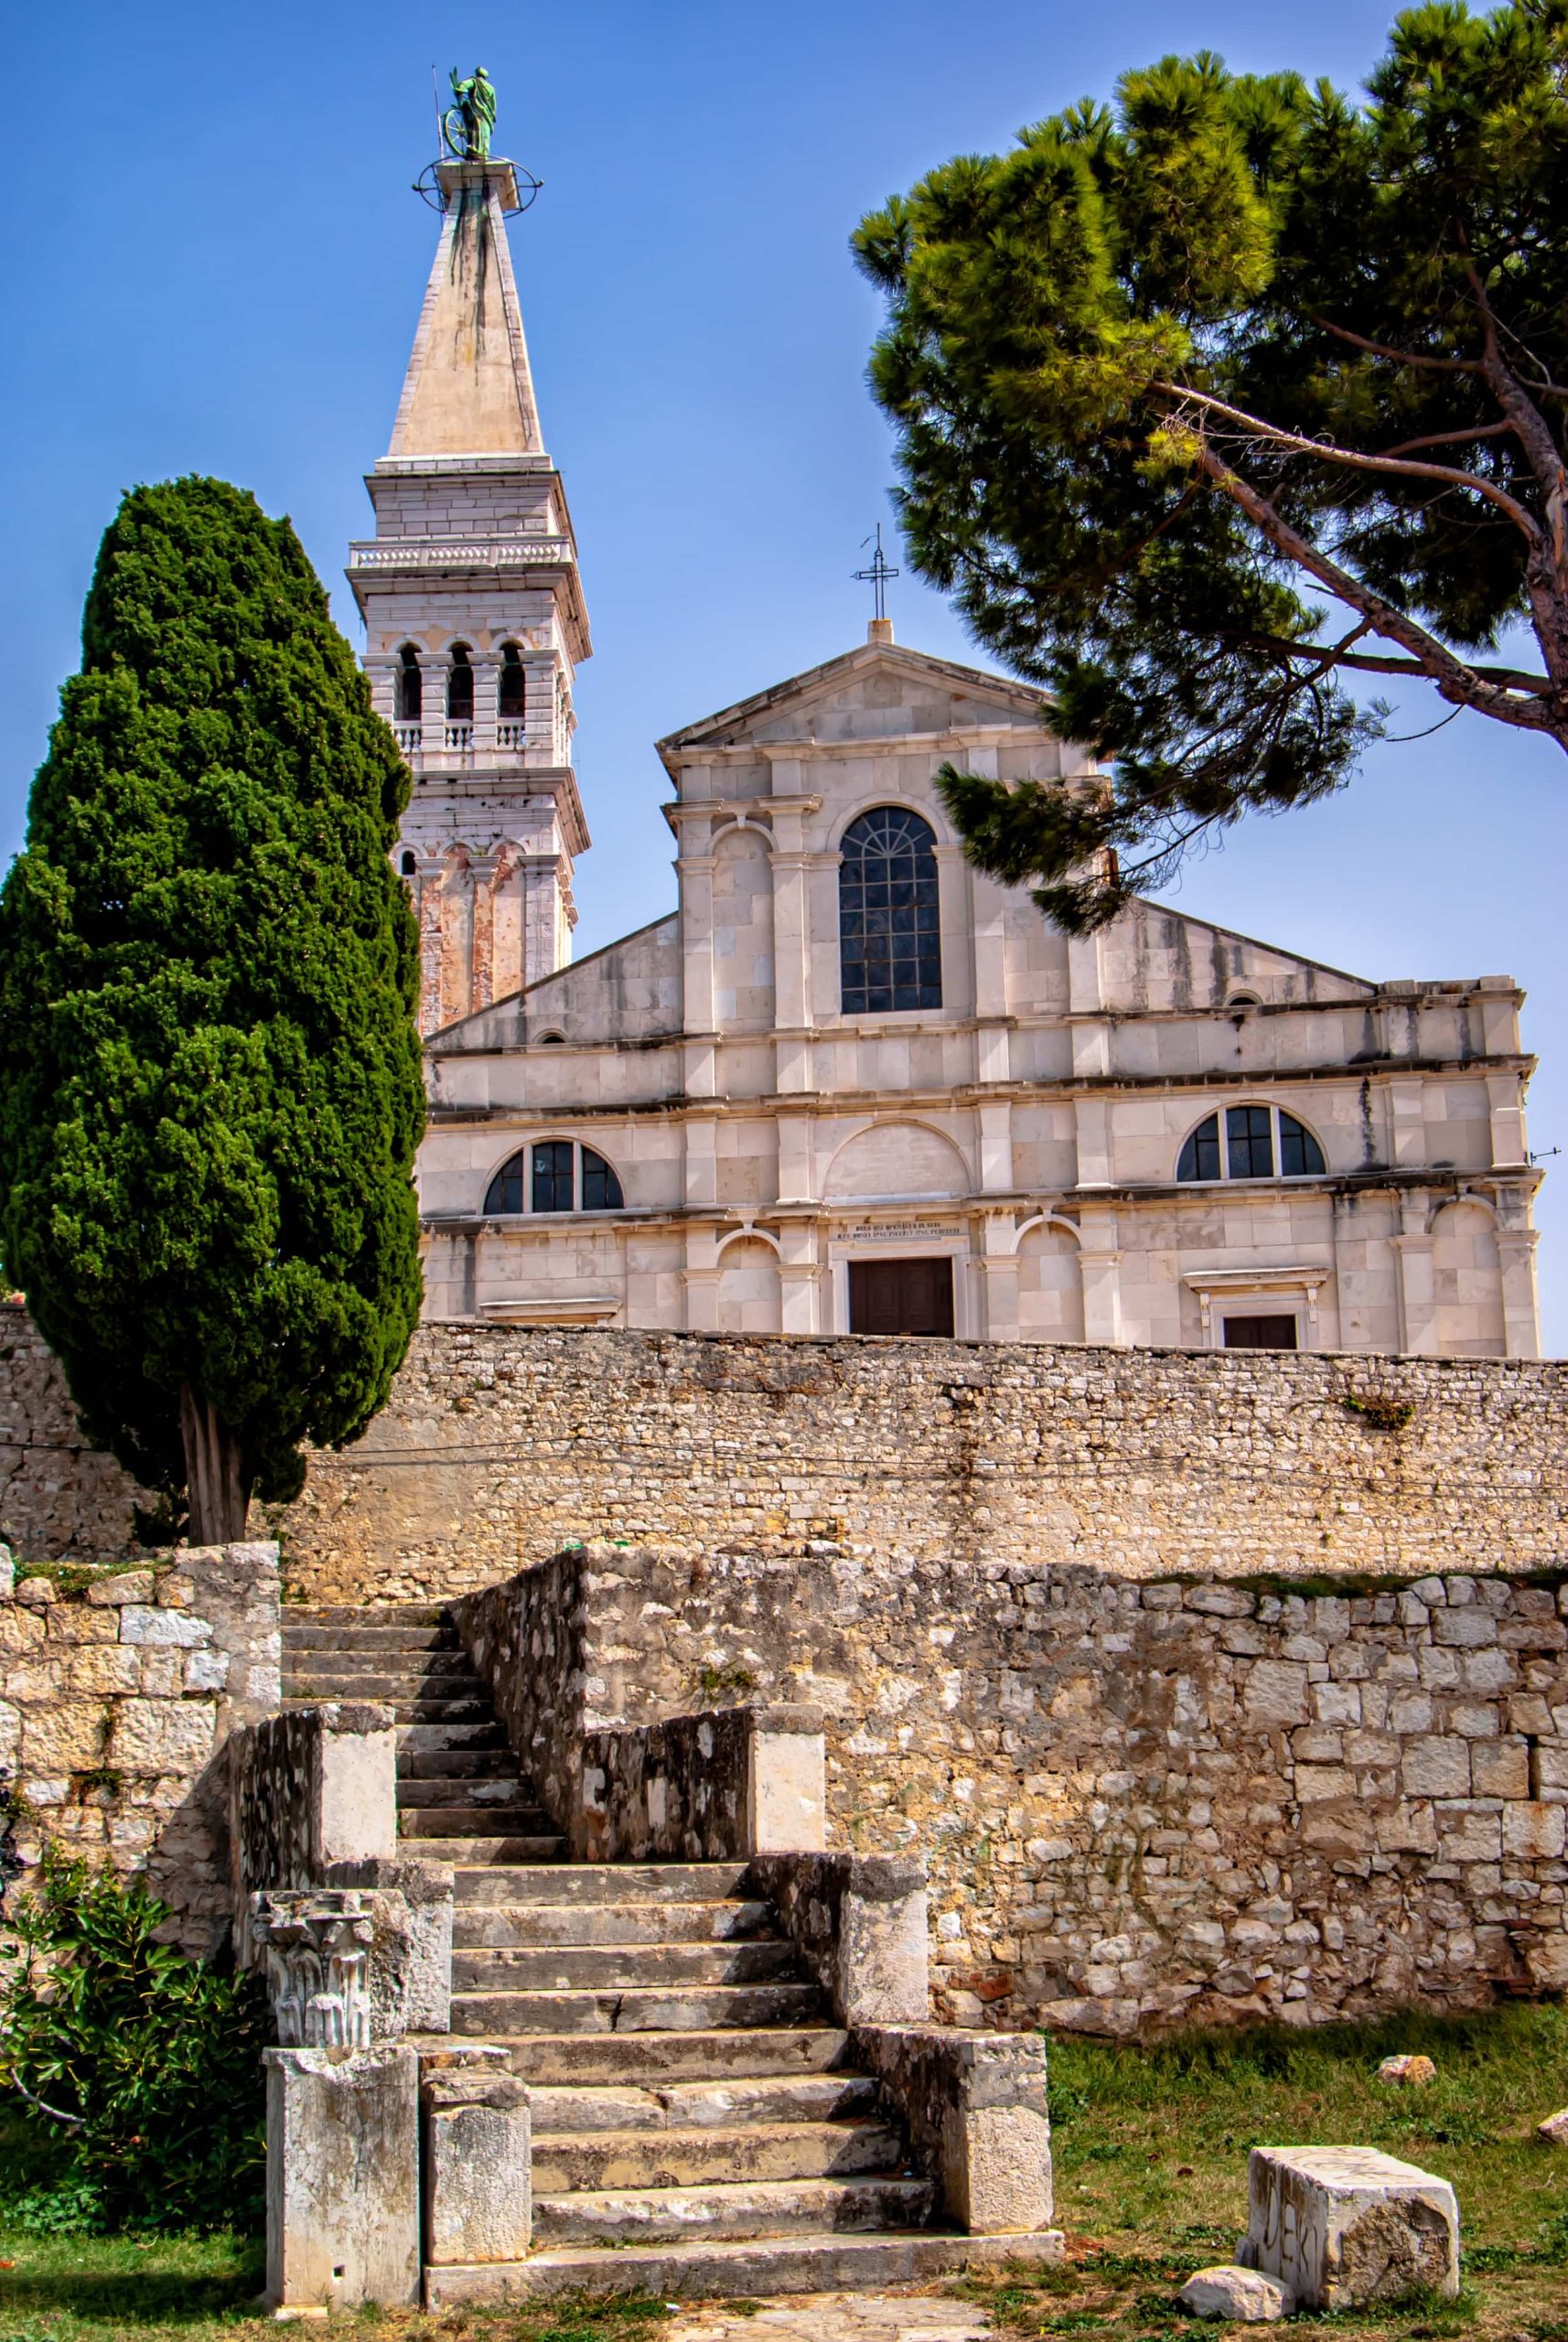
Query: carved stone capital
[(316, 1943)]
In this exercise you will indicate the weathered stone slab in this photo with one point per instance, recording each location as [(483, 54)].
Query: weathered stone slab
[(478, 2168), (1345, 2226), (342, 2178), (1245, 2296)]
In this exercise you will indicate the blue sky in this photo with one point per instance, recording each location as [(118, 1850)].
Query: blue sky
[(213, 262)]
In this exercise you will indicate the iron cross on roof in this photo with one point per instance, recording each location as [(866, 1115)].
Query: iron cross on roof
[(876, 573)]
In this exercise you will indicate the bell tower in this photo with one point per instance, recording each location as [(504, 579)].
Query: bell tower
[(475, 622)]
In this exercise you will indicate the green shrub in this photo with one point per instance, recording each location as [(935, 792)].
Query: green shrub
[(146, 2067)]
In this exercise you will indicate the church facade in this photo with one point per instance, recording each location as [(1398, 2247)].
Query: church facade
[(848, 1083)]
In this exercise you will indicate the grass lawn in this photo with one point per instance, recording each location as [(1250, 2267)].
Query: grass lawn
[(1151, 2153), (1150, 2164)]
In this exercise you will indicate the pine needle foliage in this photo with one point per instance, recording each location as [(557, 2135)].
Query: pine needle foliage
[(210, 1080), (1216, 404)]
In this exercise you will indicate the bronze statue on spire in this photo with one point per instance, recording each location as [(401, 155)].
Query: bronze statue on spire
[(467, 125)]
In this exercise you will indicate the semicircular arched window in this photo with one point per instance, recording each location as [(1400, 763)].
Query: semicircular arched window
[(554, 1175), (890, 949), (1250, 1142)]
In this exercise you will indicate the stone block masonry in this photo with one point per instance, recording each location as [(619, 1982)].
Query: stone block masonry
[(118, 1695), (1141, 1803), (502, 1444)]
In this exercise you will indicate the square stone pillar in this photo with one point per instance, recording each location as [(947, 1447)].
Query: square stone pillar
[(342, 2178)]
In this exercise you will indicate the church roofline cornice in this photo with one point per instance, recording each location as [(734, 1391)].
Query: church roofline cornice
[(976, 1203), (890, 1107)]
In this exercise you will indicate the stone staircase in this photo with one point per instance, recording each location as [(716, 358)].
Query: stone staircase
[(460, 1796), (699, 2126)]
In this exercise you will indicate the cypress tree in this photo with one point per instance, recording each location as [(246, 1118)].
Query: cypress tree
[(209, 1079)]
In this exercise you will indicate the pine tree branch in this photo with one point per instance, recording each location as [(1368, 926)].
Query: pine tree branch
[(1400, 357), (1330, 654), (1455, 682), (1447, 438), (1327, 451)]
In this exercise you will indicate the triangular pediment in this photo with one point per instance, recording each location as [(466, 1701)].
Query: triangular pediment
[(910, 690)]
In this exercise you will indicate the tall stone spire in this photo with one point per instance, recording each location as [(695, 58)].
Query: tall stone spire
[(469, 390), (474, 623)]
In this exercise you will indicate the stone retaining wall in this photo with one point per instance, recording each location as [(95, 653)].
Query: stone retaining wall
[(118, 1695), (502, 1444), (1146, 1803)]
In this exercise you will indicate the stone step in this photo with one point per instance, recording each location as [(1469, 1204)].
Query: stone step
[(608, 1883), (751, 2209), (477, 1925), (642, 2060), (466, 1763), (695, 2106), (456, 1739), (613, 2161), (755, 2270), (476, 1710), (614, 1968), (342, 1656), (399, 1690), (470, 1822), (490, 1789), (328, 1639), (638, 2009), (365, 1613), (474, 1852)]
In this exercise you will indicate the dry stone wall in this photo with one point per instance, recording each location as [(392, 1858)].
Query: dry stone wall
[(503, 1443), (60, 1498), (1144, 1803)]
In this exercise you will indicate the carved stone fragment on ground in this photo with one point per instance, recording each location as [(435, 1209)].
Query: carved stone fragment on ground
[(1346, 2226)]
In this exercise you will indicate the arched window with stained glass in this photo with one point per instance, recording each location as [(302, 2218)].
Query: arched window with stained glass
[(890, 950)]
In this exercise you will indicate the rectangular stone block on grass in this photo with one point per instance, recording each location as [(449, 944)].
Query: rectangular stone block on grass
[(1346, 2226)]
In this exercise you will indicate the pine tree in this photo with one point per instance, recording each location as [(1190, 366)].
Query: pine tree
[(1212, 400), (210, 1080)]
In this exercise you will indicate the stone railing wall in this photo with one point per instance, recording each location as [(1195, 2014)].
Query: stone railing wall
[(1146, 1802), (502, 1444), (707, 1787), (119, 1696), (309, 1789), (526, 1636)]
